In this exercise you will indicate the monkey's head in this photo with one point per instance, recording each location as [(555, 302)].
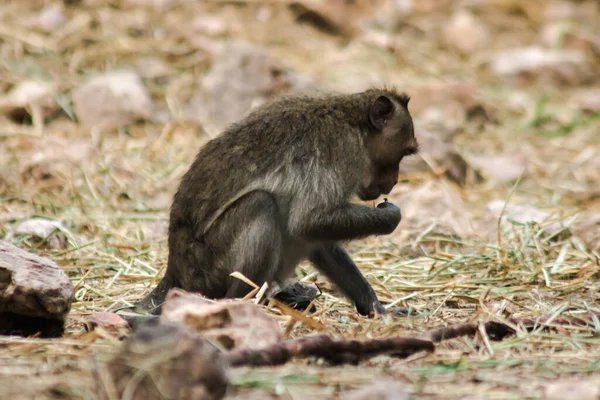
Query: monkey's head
[(391, 138)]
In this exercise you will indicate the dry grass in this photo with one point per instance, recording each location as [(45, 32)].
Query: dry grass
[(112, 192)]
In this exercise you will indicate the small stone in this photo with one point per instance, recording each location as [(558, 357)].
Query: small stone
[(563, 34), (465, 33), (152, 67), (440, 157), (380, 389), (521, 214), (573, 390), (501, 169), (42, 230), (49, 18), (537, 62), (112, 100), (242, 77), (445, 106), (441, 210), (562, 10), (28, 97), (108, 321), (210, 25)]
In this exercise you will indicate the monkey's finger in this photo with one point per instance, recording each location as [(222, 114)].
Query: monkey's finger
[(400, 311)]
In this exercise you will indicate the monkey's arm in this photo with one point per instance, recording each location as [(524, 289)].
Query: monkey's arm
[(350, 221), (335, 262)]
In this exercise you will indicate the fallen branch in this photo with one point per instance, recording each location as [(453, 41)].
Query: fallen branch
[(333, 351), (498, 330), (495, 330)]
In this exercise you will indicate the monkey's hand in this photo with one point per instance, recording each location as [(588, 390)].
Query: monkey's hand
[(377, 310), (394, 216)]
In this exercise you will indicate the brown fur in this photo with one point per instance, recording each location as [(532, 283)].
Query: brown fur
[(275, 188)]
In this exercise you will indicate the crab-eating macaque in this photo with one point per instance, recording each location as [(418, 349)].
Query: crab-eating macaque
[(275, 189)]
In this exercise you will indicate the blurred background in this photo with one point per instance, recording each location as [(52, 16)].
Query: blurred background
[(103, 105)]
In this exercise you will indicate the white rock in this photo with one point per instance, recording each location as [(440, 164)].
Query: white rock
[(572, 389), (112, 100), (589, 100), (50, 18), (29, 94), (521, 214), (210, 25), (502, 168), (41, 229), (465, 33), (380, 389), (528, 59)]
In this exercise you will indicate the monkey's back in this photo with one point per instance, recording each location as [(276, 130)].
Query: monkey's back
[(289, 140)]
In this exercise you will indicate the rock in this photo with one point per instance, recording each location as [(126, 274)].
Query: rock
[(29, 100), (49, 18), (152, 67), (434, 215), (161, 5), (587, 227), (210, 25), (54, 160), (233, 324), (108, 321), (502, 168), (563, 34), (242, 76), (112, 100), (50, 232), (520, 214), (572, 389), (32, 286), (435, 207), (444, 107), (439, 157), (588, 100), (562, 10), (380, 389), (167, 361), (465, 33), (392, 13), (568, 66)]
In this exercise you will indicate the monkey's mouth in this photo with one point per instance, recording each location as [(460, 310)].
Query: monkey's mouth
[(368, 194)]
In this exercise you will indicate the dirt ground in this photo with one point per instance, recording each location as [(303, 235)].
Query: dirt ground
[(501, 209)]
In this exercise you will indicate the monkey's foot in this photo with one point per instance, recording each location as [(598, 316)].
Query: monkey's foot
[(297, 295)]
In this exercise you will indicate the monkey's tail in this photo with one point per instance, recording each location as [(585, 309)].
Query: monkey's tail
[(153, 302)]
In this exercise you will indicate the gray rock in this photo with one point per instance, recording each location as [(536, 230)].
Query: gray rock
[(31, 285), (112, 100), (242, 76)]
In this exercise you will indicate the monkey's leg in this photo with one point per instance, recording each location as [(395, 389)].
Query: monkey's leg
[(256, 251), (335, 262)]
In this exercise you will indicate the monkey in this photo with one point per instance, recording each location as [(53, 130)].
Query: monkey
[(276, 188)]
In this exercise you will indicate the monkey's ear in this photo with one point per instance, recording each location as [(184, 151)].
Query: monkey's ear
[(381, 110)]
